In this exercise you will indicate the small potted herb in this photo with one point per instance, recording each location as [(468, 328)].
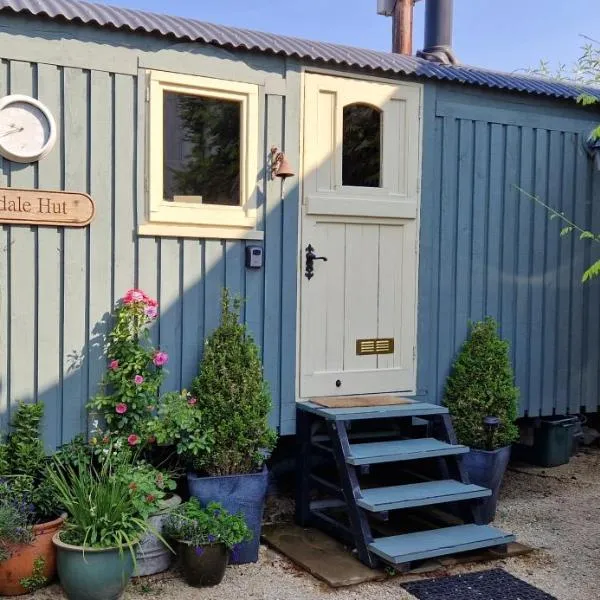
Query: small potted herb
[(482, 399), (27, 556), (206, 537), (106, 521), (233, 398)]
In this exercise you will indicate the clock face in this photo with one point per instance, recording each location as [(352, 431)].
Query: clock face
[(27, 129)]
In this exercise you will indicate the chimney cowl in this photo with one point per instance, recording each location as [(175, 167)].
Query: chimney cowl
[(438, 32)]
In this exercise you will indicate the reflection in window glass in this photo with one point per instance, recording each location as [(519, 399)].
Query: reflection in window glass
[(361, 150), (201, 156)]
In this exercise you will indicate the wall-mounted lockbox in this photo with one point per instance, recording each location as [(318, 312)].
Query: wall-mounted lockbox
[(254, 257)]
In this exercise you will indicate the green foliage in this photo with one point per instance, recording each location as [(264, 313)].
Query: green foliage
[(16, 519), (23, 461), (135, 370), (103, 507), (37, 579), (233, 398), (198, 526), (481, 384), (179, 423)]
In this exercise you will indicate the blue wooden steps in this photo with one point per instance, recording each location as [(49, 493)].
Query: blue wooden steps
[(351, 440), (410, 409), (400, 450), (426, 493), (399, 549)]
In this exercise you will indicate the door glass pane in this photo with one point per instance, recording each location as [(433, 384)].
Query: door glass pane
[(201, 156), (361, 151)]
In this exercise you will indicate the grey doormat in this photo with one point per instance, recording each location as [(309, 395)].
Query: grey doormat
[(494, 584)]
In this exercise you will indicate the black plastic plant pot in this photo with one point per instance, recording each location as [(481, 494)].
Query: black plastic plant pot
[(203, 566)]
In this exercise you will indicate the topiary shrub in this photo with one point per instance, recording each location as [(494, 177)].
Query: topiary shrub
[(481, 384), (233, 398)]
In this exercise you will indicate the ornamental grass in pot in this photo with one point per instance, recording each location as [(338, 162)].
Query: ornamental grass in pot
[(106, 520), (30, 512), (482, 399), (232, 396), (206, 537)]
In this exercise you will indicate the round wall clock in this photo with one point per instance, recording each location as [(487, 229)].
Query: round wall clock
[(27, 129)]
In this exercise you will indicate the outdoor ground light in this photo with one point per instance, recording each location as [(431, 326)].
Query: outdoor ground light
[(491, 425)]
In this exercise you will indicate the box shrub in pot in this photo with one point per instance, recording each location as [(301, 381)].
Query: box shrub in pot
[(231, 394), (482, 399), (205, 537), (30, 512)]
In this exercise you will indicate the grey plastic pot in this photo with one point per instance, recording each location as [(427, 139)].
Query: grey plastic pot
[(92, 573), (152, 555)]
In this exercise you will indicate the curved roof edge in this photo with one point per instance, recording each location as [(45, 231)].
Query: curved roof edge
[(244, 39)]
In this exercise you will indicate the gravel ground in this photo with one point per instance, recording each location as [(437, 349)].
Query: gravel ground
[(555, 510)]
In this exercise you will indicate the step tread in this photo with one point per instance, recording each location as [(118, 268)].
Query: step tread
[(397, 450), (419, 494), (399, 549), (413, 409)]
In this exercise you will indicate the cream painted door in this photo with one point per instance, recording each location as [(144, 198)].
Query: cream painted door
[(360, 211)]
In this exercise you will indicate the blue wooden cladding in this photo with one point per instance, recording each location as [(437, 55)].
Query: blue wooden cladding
[(485, 248)]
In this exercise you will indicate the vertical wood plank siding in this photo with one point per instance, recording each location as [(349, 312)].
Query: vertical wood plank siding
[(486, 249), (58, 286)]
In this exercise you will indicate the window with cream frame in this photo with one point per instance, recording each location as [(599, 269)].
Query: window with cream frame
[(202, 169)]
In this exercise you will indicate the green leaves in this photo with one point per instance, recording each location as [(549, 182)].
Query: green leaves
[(233, 398), (198, 526), (481, 384)]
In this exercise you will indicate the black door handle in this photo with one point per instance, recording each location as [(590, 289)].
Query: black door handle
[(310, 258)]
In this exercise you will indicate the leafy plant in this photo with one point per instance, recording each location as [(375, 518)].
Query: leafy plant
[(135, 368), (103, 507), (23, 461), (198, 526), (179, 423), (481, 384), (37, 579), (233, 398), (16, 518)]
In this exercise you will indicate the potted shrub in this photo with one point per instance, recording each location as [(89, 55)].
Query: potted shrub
[(27, 556), (482, 399), (232, 396), (96, 548), (205, 537)]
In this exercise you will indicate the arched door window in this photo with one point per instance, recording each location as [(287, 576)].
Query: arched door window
[(361, 146)]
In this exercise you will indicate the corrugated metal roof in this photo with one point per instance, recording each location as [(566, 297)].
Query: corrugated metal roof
[(244, 39)]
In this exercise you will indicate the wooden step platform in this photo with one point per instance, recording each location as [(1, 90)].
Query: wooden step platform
[(400, 549), (408, 409), (401, 450), (419, 494)]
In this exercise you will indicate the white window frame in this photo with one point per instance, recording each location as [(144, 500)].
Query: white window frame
[(175, 218)]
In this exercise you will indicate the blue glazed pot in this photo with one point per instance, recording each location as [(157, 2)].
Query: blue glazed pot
[(487, 468), (92, 573), (237, 493)]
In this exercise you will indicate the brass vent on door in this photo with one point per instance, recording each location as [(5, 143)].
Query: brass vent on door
[(375, 346)]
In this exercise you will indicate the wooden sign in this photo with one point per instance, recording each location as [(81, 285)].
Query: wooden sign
[(43, 207)]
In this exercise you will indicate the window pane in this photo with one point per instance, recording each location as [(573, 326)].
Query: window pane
[(361, 151), (201, 149)]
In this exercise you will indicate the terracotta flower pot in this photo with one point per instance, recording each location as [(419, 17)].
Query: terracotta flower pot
[(23, 557)]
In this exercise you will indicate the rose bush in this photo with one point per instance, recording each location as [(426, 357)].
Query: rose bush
[(135, 368)]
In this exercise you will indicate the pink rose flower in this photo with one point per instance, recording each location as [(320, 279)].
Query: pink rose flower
[(192, 401), (138, 380), (151, 311), (114, 365), (121, 408), (133, 439), (160, 359)]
